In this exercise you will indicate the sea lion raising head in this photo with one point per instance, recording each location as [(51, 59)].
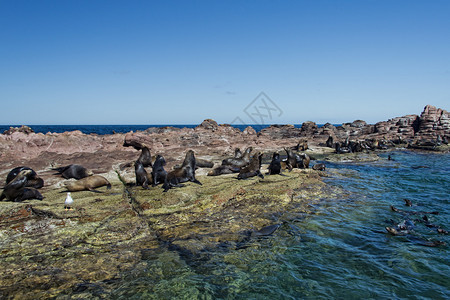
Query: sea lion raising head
[(33, 180), (158, 173), (253, 168), (145, 158), (16, 189), (240, 161), (183, 174), (141, 175), (275, 164)]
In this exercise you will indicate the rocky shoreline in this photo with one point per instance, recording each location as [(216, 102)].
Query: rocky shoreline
[(49, 252)]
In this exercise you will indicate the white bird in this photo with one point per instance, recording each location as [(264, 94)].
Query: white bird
[(68, 202)]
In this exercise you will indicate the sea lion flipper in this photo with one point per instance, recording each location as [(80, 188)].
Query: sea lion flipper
[(196, 181)]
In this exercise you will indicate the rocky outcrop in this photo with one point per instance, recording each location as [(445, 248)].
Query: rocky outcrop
[(23, 128), (279, 132)]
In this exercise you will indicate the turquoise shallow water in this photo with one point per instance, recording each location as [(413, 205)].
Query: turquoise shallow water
[(341, 250)]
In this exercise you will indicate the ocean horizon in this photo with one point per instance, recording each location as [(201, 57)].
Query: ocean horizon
[(111, 129)]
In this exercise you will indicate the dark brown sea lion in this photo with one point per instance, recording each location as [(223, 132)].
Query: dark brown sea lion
[(29, 193), (275, 164), (73, 171), (203, 163), (241, 161), (319, 167), (329, 143), (301, 146), (145, 158), (141, 175), (135, 144), (403, 228), (158, 173), (223, 169), (302, 160), (291, 160), (253, 168), (183, 174), (200, 163), (34, 180), (89, 183), (16, 189)]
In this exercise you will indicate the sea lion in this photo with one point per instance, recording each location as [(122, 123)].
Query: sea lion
[(403, 228), (34, 180), (200, 163), (29, 193), (73, 171), (291, 160), (16, 189), (319, 167), (158, 173), (275, 164), (135, 144), (302, 161), (407, 202), (267, 230), (203, 163), (253, 168), (405, 212), (141, 175), (223, 169), (88, 184), (301, 146), (241, 161), (145, 158), (185, 173), (329, 143)]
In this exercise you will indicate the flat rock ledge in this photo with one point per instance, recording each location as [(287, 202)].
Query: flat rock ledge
[(48, 252)]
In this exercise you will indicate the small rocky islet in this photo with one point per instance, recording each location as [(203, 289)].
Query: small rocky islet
[(47, 251)]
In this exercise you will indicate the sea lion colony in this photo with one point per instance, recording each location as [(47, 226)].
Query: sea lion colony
[(22, 183)]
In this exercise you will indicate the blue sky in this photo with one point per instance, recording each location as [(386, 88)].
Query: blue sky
[(180, 62)]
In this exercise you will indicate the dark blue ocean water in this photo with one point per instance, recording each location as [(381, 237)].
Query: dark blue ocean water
[(339, 250), (110, 129)]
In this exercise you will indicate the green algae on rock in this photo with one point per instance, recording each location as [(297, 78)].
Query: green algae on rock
[(47, 251)]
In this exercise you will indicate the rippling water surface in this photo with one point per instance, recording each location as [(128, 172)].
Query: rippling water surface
[(341, 250)]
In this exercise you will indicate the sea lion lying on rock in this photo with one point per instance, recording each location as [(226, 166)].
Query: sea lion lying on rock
[(223, 169), (232, 164), (88, 184), (17, 191), (183, 174), (33, 180), (253, 168), (73, 171)]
